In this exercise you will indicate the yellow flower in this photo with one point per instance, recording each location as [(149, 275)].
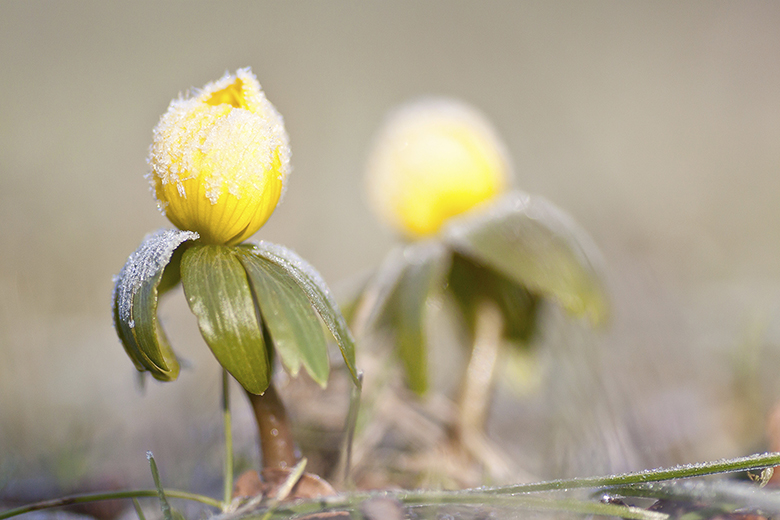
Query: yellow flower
[(433, 160), (219, 159)]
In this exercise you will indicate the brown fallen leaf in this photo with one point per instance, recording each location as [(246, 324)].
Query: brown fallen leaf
[(250, 484)]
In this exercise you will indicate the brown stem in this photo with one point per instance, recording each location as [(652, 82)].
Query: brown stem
[(276, 442)]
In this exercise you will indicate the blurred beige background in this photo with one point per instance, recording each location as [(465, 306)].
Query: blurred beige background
[(656, 125)]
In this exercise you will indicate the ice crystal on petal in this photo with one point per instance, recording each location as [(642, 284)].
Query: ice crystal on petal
[(222, 148)]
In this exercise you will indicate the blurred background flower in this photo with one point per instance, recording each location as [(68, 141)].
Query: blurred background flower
[(655, 125), (476, 269), (433, 159)]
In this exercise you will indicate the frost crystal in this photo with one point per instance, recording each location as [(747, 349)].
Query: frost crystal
[(219, 159), (193, 135), (144, 263)]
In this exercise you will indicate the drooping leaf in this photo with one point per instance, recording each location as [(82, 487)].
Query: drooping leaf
[(537, 245), (471, 283), (217, 290), (318, 294), (294, 327), (136, 293), (424, 269)]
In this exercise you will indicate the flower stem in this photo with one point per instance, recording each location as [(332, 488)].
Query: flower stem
[(477, 391), (228, 438), (276, 442), (479, 378)]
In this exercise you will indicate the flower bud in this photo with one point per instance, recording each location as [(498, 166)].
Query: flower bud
[(433, 160), (219, 159)]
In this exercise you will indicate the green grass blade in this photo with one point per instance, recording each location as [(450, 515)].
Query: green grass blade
[(753, 462), (480, 502), (112, 495), (164, 505), (138, 510)]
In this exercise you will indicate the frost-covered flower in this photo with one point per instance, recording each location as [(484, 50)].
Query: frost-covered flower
[(219, 159), (433, 160)]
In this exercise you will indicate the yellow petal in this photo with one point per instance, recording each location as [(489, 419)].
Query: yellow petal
[(219, 160), (433, 160)]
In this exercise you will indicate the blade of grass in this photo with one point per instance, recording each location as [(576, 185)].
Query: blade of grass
[(753, 462), (419, 499), (138, 510), (350, 424), (113, 495), (569, 505), (164, 505)]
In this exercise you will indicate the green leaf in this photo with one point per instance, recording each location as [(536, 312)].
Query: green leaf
[(135, 298), (537, 245), (426, 264), (318, 294), (471, 283), (217, 290), (295, 328)]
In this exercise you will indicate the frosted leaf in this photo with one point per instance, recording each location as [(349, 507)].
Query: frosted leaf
[(134, 305), (144, 263)]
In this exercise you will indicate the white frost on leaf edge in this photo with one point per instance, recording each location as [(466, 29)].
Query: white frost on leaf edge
[(150, 258)]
